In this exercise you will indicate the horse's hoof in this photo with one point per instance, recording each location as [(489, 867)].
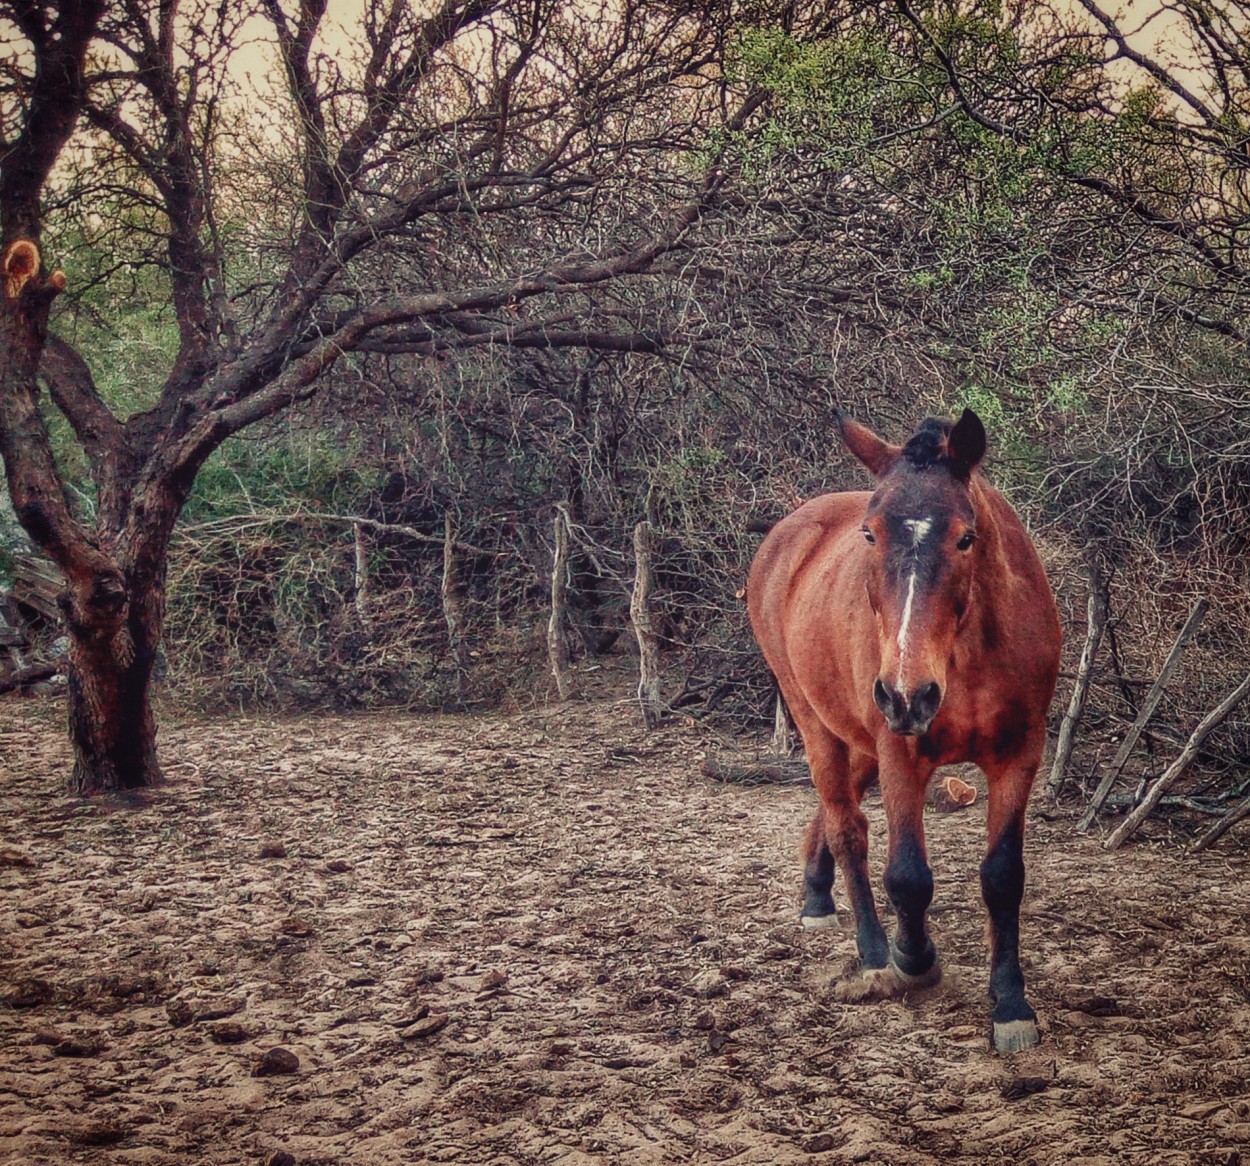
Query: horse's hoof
[(868, 985), (928, 979), (1015, 1036), (819, 922)]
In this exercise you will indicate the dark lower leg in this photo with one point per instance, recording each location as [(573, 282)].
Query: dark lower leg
[(849, 842), (909, 883), (1002, 884), (818, 872)]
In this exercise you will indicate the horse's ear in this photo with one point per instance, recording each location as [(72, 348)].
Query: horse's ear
[(966, 444), (879, 456)]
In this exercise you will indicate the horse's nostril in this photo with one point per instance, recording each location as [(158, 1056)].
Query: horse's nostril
[(882, 697), (927, 701)]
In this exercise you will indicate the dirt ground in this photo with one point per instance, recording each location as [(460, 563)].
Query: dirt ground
[(545, 937)]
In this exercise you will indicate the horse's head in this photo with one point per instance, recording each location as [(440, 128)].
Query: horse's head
[(920, 527)]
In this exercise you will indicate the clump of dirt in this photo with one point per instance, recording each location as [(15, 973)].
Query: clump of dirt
[(547, 937)]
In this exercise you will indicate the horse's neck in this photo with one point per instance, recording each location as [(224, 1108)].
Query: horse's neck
[(997, 583)]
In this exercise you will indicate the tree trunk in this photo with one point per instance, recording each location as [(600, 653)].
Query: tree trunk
[(114, 639)]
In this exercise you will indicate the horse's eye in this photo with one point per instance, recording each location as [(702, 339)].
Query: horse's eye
[(964, 543), (869, 537)]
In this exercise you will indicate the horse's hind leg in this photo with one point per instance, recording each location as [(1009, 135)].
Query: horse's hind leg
[(819, 909)]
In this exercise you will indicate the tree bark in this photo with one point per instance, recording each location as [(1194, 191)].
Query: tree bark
[(114, 635)]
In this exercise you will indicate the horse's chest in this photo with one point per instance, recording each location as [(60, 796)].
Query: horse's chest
[(976, 728)]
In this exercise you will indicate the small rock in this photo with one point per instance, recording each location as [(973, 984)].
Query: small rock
[(716, 1040), (280, 1158), (427, 1027), (1020, 1087), (28, 993), (362, 981), (493, 979), (705, 1021), (408, 1018), (75, 1047), (295, 926), (272, 850), (180, 1013), (338, 866), (778, 951), (228, 1033), (276, 1062), (708, 984), (217, 1007), (821, 1143), (98, 1133), (423, 977)]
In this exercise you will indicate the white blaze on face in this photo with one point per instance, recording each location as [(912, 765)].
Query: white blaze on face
[(919, 528)]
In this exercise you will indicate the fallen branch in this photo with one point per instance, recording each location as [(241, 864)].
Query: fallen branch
[(24, 677), (1199, 805), (779, 771), (1144, 714), (1221, 827), (1154, 795)]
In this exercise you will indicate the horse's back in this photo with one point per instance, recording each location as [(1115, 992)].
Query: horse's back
[(798, 543)]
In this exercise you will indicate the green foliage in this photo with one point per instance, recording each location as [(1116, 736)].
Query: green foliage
[(283, 473)]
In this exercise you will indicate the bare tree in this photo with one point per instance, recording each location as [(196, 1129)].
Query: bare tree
[(347, 218)]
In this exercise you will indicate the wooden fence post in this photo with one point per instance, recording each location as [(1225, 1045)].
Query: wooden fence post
[(1144, 714), (1096, 618), (644, 627), (453, 595), (557, 645), (361, 578)]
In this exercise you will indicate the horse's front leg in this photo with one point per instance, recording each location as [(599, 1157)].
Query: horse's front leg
[(840, 778), (908, 878), (1002, 885)]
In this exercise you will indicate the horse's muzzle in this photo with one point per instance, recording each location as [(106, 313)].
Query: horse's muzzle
[(907, 717)]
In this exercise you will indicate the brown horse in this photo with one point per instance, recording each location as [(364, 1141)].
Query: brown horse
[(909, 628)]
